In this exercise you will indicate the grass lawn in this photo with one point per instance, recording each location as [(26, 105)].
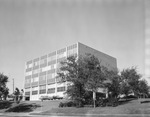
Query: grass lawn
[(51, 108), (28, 106), (132, 107)]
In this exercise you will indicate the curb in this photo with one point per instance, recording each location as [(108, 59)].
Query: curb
[(88, 114)]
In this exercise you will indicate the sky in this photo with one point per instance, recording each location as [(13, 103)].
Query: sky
[(32, 28)]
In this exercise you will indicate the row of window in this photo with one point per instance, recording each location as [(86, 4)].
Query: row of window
[(52, 56), (43, 91), (52, 72), (72, 47), (43, 82), (40, 78), (72, 52), (51, 67), (43, 67), (45, 61), (35, 71), (39, 82)]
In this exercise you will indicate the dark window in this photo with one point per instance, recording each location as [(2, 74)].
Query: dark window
[(43, 61), (42, 91), (51, 81), (28, 69), (61, 51), (52, 62), (61, 59), (72, 47), (61, 89), (34, 92), (27, 93), (34, 83), (52, 54), (51, 90)]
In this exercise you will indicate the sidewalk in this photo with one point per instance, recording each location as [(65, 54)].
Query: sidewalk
[(38, 114), (15, 114), (89, 115)]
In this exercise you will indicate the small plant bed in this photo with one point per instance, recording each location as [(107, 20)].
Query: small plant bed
[(90, 106), (108, 102), (67, 104), (99, 103), (22, 107), (5, 104)]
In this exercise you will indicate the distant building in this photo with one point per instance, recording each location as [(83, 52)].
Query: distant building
[(40, 73)]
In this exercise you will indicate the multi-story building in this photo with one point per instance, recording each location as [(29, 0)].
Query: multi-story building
[(41, 72)]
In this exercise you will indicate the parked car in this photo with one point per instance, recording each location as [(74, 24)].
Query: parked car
[(10, 99), (45, 98), (57, 97)]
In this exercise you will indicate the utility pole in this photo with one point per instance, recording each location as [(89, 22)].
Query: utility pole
[(13, 85)]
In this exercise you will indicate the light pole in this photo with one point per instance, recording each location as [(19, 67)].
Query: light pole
[(13, 85)]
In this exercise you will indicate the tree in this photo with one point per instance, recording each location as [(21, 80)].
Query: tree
[(3, 80), (94, 72), (95, 75), (83, 75), (114, 83), (72, 71), (5, 93), (124, 88), (143, 87), (130, 80), (3, 89)]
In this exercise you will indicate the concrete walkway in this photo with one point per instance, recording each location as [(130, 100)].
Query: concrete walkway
[(76, 115)]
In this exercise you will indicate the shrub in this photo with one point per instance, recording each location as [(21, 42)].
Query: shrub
[(61, 104), (89, 97), (67, 104), (113, 102), (107, 102), (131, 96), (101, 102)]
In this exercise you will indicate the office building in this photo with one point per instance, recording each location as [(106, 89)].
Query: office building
[(40, 73)]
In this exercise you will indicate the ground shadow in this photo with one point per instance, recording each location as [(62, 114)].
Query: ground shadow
[(5, 104), (23, 107), (122, 102), (146, 101)]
